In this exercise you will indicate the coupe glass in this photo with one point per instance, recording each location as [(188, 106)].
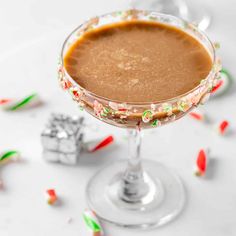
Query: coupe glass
[(134, 193)]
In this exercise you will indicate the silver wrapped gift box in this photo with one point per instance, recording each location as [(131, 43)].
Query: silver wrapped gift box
[(62, 139)]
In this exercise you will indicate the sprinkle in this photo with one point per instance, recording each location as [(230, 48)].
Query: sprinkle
[(183, 106), (102, 144), (201, 164), (14, 105), (147, 116), (65, 84), (51, 196), (122, 109), (75, 93), (197, 116), (105, 111), (156, 123), (223, 127), (92, 222), (8, 155), (98, 108)]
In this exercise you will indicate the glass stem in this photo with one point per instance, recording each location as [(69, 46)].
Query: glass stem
[(133, 185)]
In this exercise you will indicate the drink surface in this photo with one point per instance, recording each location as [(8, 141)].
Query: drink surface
[(137, 61)]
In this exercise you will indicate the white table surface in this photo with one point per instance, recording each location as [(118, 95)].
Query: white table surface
[(31, 36)]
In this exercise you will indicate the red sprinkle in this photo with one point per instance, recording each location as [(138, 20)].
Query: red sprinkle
[(196, 116), (4, 101), (223, 127), (218, 85), (201, 163), (105, 142), (122, 109)]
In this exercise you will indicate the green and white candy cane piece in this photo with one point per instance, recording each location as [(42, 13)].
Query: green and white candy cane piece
[(8, 155), (147, 116), (14, 105), (92, 222)]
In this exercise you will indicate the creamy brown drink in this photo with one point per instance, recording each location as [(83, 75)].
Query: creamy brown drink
[(137, 61)]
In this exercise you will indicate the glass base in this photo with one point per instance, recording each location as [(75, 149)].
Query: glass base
[(163, 202)]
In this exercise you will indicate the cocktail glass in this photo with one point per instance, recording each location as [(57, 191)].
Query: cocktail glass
[(134, 193)]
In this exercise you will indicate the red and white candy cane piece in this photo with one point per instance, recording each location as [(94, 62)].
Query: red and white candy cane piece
[(102, 144), (201, 163), (51, 196), (223, 127), (197, 116)]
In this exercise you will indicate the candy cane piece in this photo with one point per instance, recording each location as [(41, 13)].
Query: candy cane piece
[(5, 156), (92, 223), (223, 127), (102, 144), (201, 163), (13, 105), (51, 196), (197, 116), (217, 86)]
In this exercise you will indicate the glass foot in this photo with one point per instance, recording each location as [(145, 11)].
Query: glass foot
[(162, 202)]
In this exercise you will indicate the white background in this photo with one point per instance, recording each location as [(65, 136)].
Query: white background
[(31, 36)]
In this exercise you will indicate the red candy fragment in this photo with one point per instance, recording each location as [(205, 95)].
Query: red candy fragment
[(51, 196), (201, 164), (223, 126), (196, 116), (217, 86), (4, 101), (102, 144)]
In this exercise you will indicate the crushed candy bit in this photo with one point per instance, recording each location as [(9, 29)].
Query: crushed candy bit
[(201, 163), (223, 127), (51, 196), (92, 223), (197, 116), (102, 144)]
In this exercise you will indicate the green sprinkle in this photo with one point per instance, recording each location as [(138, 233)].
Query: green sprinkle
[(155, 123)]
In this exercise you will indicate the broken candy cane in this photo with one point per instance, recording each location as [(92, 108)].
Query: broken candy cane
[(14, 105), (51, 196), (102, 144), (5, 156), (197, 116), (92, 223), (201, 163), (223, 127)]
